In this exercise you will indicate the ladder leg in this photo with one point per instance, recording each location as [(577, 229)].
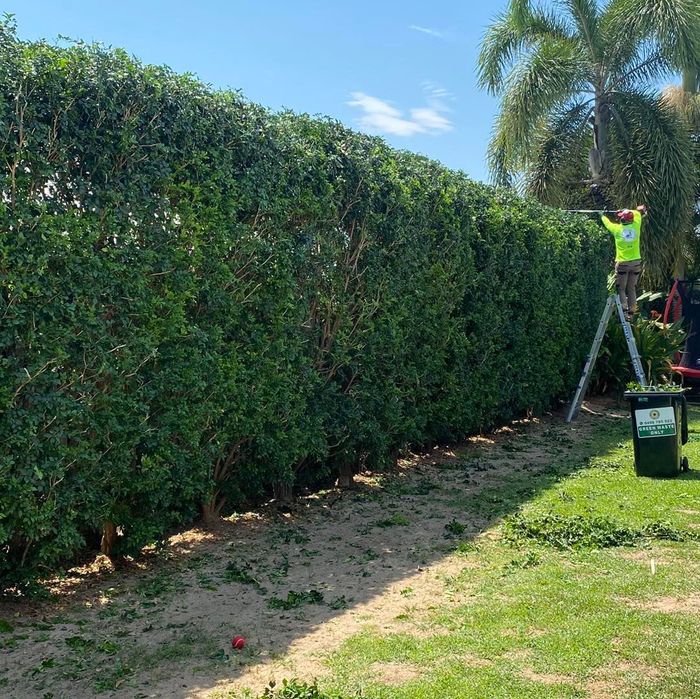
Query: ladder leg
[(590, 361), (631, 344)]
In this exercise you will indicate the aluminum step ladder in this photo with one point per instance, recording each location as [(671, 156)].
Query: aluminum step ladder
[(612, 302)]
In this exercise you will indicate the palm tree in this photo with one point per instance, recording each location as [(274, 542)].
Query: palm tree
[(580, 122), (685, 100)]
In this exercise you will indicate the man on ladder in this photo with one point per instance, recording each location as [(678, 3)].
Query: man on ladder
[(628, 266), (627, 232)]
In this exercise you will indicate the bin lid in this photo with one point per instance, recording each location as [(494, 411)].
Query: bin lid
[(651, 394)]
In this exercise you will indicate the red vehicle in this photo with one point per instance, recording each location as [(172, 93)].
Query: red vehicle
[(684, 303)]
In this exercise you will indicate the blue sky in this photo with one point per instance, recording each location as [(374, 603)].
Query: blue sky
[(401, 68)]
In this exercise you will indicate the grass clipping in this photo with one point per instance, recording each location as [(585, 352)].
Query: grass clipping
[(581, 532)]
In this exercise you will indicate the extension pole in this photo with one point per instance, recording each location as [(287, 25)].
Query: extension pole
[(586, 211)]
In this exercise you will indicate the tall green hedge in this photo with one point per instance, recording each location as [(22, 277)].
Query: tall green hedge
[(203, 302)]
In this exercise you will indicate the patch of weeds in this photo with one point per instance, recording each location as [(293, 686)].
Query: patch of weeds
[(78, 643), (423, 486), (529, 560), (6, 626), (45, 664), (466, 547), (205, 582), (667, 532), (219, 656), (602, 464), (396, 520), (512, 447), (575, 531), (452, 465), (281, 570), (234, 572), (407, 592), (580, 532), (129, 614), (114, 679), (73, 672), (42, 625), (339, 603), (108, 647), (296, 599), (294, 689), (293, 536), (156, 587), (9, 643), (198, 562), (454, 528), (369, 555)]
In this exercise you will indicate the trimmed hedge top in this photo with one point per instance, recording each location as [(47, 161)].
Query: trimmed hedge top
[(202, 301)]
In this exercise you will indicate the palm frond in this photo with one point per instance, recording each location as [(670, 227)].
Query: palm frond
[(674, 24), (559, 156), (549, 76), (585, 17), (649, 65), (653, 164), (511, 33), (502, 161)]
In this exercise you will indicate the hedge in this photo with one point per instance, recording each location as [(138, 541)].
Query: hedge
[(204, 303)]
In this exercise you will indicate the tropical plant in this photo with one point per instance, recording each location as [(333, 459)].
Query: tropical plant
[(580, 121), (685, 100), (657, 344)]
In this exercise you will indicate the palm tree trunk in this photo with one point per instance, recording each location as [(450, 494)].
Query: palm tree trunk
[(691, 80), (598, 157)]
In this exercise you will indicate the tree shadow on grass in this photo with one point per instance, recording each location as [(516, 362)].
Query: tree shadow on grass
[(292, 583)]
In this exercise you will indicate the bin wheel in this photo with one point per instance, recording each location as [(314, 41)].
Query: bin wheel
[(685, 466)]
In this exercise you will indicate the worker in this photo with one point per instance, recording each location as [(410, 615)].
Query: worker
[(627, 232)]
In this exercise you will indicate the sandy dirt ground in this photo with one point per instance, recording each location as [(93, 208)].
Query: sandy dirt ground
[(375, 556)]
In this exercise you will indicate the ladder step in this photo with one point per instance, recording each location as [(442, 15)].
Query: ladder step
[(612, 302)]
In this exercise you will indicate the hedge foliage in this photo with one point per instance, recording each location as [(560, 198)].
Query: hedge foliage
[(203, 302)]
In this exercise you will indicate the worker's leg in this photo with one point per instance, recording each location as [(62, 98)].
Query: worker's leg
[(621, 274), (632, 279)]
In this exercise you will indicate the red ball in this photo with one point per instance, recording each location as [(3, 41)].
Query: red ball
[(238, 642)]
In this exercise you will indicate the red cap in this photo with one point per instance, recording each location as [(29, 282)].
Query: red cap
[(626, 216)]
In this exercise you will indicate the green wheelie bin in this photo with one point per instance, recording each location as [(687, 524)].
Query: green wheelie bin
[(659, 431)]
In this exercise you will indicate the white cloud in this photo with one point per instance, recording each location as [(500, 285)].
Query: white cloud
[(427, 30), (380, 117)]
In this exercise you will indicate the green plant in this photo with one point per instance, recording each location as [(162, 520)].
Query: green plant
[(295, 689), (396, 520), (578, 104), (295, 599), (454, 528), (237, 573), (584, 532), (281, 300), (657, 345)]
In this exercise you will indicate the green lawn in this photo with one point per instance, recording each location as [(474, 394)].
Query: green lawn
[(542, 619), (529, 563)]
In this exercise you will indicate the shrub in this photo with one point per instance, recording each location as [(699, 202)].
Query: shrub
[(203, 303), (657, 345)]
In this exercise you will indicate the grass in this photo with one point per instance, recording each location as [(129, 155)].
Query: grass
[(584, 583), (563, 599)]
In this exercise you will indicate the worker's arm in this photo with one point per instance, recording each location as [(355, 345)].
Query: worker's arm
[(611, 225)]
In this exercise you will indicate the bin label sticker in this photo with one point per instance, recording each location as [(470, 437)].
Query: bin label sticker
[(657, 422)]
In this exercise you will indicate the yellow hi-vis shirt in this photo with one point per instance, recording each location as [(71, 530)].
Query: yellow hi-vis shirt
[(627, 238)]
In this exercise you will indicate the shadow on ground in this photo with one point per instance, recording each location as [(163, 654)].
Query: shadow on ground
[(293, 584)]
